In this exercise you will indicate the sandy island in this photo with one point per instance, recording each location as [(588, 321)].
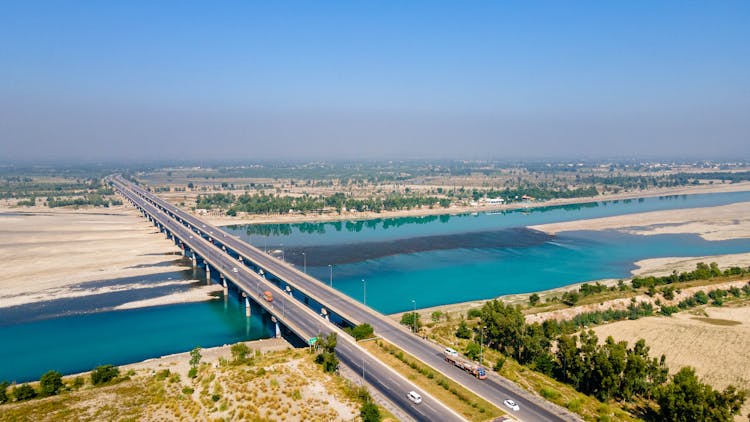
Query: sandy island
[(47, 251)]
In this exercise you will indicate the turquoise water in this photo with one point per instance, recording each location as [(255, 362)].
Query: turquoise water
[(447, 259), (79, 343), (433, 260)]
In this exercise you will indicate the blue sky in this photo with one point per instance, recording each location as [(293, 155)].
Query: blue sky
[(190, 79)]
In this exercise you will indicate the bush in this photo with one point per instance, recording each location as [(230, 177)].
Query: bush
[(50, 383), (370, 412), (549, 394), (463, 331), (533, 299), (24, 392), (570, 298), (408, 319), (193, 372), (362, 331), (3, 392), (499, 365), (104, 373), (474, 313), (240, 352)]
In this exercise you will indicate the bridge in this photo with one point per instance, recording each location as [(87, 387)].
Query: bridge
[(224, 252)]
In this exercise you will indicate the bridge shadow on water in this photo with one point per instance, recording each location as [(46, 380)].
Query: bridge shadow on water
[(355, 252)]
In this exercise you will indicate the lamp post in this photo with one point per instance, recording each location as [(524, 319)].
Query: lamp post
[(304, 266), (414, 315), (481, 341), (364, 292), (330, 277)]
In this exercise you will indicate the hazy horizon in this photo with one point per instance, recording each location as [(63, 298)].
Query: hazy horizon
[(335, 81)]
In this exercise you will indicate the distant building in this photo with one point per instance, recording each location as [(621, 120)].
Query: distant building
[(495, 201)]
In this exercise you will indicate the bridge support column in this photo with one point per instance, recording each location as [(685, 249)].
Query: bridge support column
[(247, 305), (223, 248), (224, 283), (240, 258), (195, 260), (277, 329), (208, 274), (324, 314)]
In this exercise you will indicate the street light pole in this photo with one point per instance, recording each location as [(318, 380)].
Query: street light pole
[(304, 257), (330, 279), (364, 292)]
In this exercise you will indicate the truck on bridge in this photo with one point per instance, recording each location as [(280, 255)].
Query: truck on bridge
[(471, 367)]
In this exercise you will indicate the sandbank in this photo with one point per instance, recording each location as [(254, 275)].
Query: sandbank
[(46, 252), (711, 223)]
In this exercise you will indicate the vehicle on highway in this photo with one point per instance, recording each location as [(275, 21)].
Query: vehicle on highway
[(414, 397), (450, 352), (511, 404), (234, 269), (268, 296)]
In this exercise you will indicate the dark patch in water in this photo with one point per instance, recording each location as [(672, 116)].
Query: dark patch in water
[(356, 252), (84, 304)]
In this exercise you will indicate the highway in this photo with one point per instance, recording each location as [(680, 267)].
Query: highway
[(494, 389), (303, 321)]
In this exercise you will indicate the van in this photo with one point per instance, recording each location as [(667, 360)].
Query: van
[(415, 397), (450, 352)]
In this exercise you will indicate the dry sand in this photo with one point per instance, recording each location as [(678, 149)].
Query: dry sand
[(712, 223), (717, 347), (46, 251)]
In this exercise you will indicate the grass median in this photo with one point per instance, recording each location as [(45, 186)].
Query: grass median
[(452, 394)]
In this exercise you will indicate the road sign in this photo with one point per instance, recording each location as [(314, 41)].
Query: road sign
[(312, 341)]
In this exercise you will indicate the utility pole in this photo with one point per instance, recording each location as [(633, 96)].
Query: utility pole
[(330, 279)]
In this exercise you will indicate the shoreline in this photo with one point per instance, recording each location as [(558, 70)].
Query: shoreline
[(223, 220), (645, 267)]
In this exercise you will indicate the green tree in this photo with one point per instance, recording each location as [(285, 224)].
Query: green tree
[(688, 399), (362, 331), (327, 357), (369, 412), (473, 350), (4, 392), (50, 383), (239, 352), (24, 392), (533, 299), (103, 374), (463, 330), (195, 357), (409, 318), (437, 315), (505, 327)]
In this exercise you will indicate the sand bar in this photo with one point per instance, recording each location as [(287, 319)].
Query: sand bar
[(47, 251)]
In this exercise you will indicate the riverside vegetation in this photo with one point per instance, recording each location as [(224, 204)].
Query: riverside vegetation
[(554, 356), (282, 385)]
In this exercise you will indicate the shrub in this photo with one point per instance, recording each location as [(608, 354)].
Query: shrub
[(370, 412), (474, 313), (193, 372), (24, 392), (50, 383), (3, 392), (463, 331), (103, 374), (362, 331), (240, 352)]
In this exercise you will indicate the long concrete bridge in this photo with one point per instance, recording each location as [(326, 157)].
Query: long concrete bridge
[(224, 253)]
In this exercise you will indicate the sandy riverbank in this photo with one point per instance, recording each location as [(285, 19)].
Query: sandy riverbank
[(712, 223), (223, 220), (48, 253)]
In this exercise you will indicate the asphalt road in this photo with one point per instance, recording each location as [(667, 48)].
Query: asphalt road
[(494, 389), (305, 323)]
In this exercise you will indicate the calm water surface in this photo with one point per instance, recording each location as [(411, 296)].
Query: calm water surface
[(434, 260)]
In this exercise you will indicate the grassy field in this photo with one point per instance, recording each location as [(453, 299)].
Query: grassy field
[(282, 385)]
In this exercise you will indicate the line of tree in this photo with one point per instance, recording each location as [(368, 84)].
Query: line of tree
[(51, 384), (610, 370), (702, 271)]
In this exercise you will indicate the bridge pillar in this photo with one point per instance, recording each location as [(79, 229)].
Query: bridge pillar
[(324, 314), (224, 248), (208, 274), (276, 323), (247, 304), (288, 290), (195, 260), (182, 246), (224, 283), (240, 258)]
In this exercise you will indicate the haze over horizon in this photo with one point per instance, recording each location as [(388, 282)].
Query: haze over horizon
[(337, 80)]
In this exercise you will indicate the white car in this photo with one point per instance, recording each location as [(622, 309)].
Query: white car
[(415, 397), (234, 269), (450, 352), (511, 404)]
